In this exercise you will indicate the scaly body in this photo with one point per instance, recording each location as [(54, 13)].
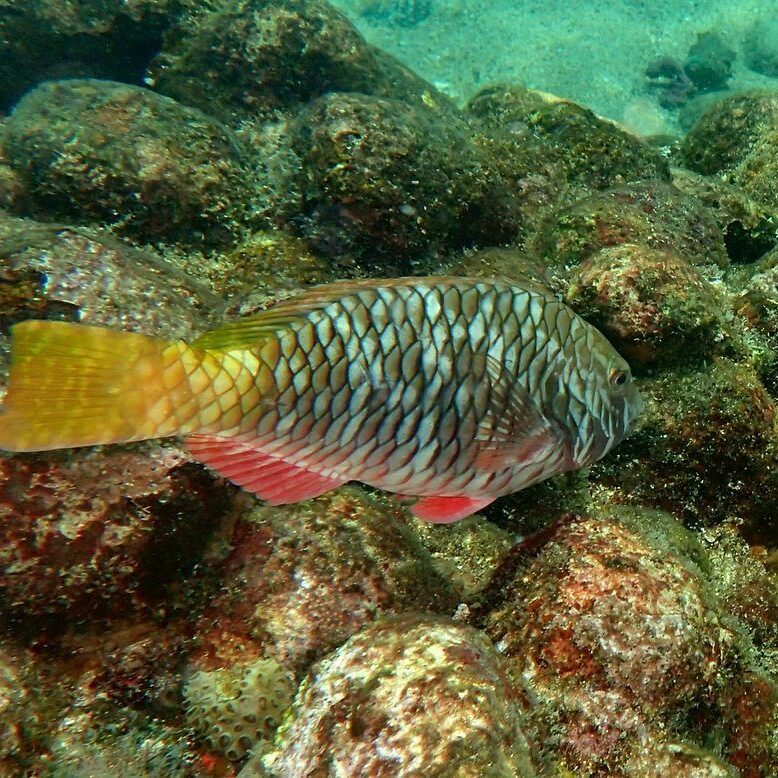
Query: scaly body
[(453, 390)]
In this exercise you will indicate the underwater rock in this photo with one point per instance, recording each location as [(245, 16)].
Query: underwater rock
[(466, 553), (97, 532), (118, 742), (406, 696), (87, 532), (544, 151), (45, 39), (650, 213), (681, 760), (593, 153), (134, 662), (750, 718), (238, 709), (303, 578), (13, 193), (125, 156), (51, 271), (241, 60), (500, 263), (396, 13), (668, 79), (617, 641), (760, 46), (757, 294), (653, 306), (709, 62), (729, 130), (747, 225), (744, 586), (598, 604), (707, 449), (20, 710), (263, 267), (757, 173), (384, 181)]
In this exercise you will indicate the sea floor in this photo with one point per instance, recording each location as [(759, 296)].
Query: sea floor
[(594, 53)]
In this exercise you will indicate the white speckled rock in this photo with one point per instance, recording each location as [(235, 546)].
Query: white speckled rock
[(410, 696)]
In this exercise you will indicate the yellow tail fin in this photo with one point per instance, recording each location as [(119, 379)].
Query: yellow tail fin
[(73, 385)]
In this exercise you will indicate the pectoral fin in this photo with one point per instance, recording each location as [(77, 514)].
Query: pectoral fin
[(515, 429)]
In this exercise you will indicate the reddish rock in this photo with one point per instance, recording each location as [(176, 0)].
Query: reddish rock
[(50, 271), (750, 714), (303, 578), (615, 638), (99, 531), (408, 696), (652, 305)]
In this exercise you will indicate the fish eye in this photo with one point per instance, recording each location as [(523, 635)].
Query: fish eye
[(619, 377)]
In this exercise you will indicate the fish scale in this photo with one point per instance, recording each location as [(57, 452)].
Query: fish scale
[(450, 390)]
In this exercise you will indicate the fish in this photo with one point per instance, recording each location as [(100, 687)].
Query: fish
[(449, 392)]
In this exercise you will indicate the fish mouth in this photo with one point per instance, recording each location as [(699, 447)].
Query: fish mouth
[(634, 410)]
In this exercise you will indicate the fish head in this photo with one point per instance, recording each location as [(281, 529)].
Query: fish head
[(603, 403)]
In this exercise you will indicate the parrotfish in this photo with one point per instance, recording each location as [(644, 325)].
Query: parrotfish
[(448, 391)]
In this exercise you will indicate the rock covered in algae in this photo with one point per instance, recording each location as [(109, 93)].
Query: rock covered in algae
[(303, 578), (707, 449), (738, 138), (599, 605), (543, 151), (21, 719), (727, 132), (385, 180), (405, 697), (466, 553), (121, 154), (617, 640), (101, 531), (90, 38), (262, 56), (50, 271), (746, 223), (649, 213), (122, 742), (652, 305)]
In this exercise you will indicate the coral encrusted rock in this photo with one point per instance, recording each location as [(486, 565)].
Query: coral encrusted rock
[(409, 696), (126, 156)]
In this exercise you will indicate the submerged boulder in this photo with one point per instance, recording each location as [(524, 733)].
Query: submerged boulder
[(123, 155), (408, 696), (241, 60), (383, 180)]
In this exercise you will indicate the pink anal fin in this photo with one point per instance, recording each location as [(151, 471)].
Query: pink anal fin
[(444, 510), (268, 476)]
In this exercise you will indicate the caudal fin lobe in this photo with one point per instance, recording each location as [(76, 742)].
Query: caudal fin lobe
[(74, 385)]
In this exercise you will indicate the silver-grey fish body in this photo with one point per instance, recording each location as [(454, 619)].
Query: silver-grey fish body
[(435, 387)]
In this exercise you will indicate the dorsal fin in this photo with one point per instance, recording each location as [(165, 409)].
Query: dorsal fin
[(250, 330)]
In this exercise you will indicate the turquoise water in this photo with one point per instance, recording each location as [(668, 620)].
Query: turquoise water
[(593, 53)]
